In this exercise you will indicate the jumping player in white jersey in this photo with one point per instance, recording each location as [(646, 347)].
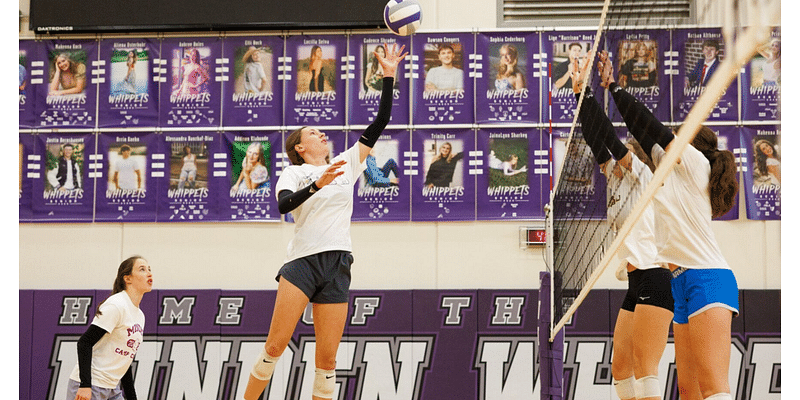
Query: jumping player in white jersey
[(319, 195), (701, 186), (642, 327)]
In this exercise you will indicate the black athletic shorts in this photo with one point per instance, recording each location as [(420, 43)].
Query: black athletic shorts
[(651, 287), (323, 277)]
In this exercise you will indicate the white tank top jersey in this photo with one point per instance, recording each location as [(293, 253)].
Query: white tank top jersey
[(113, 354), (683, 214), (639, 247), (322, 222)]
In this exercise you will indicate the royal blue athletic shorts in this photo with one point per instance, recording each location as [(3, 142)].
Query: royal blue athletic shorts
[(696, 290)]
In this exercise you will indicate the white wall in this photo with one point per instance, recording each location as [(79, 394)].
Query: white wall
[(388, 255)]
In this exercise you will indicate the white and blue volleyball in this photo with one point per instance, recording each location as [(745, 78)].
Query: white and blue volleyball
[(402, 17)]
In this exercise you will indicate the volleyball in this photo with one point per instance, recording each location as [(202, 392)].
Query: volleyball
[(402, 17)]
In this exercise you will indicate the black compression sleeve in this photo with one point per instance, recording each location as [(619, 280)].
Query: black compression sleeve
[(127, 385), (593, 123), (642, 124), (288, 200), (373, 131), (89, 338)]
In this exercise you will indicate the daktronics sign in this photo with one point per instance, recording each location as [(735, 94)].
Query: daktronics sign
[(427, 344)]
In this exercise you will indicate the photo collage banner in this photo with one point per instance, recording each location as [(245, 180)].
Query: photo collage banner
[(192, 129)]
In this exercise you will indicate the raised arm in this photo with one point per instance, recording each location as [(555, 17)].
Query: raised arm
[(373, 131)]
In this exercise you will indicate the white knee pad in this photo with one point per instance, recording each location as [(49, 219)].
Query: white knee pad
[(720, 396), (324, 383), (647, 387), (264, 366), (625, 388)]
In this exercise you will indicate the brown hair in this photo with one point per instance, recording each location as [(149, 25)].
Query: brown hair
[(722, 184), (293, 140), (125, 269), (761, 158), (639, 152)]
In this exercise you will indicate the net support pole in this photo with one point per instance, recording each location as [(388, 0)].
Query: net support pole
[(551, 353)]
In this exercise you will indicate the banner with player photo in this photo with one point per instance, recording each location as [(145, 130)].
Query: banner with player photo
[(699, 53), (643, 64), (62, 183), (761, 166), (442, 66), (250, 176), (513, 173), (582, 185), (383, 192), (129, 73), (507, 77), (559, 51), (761, 82), (31, 80), (728, 139), (365, 75), (252, 92), (29, 169), (315, 80), (190, 176), (190, 90), (443, 171), (71, 95), (126, 167)]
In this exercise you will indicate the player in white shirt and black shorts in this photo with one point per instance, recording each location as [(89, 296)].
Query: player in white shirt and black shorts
[(701, 186), (107, 348), (319, 194), (642, 327)]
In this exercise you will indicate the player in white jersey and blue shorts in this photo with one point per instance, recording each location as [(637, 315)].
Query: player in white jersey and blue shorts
[(701, 186)]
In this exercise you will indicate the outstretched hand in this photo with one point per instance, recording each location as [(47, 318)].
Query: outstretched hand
[(392, 59), (331, 173), (605, 69), (578, 74)]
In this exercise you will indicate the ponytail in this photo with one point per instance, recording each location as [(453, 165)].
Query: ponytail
[(125, 269), (722, 183)]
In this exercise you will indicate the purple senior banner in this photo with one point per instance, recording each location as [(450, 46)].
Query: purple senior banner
[(642, 65), (250, 176), (761, 82), (699, 52), (190, 184), (760, 161), (31, 80), (383, 191), (514, 178), (443, 167), (128, 81), (507, 77), (315, 80), (366, 79), (62, 182), (442, 67), (70, 97), (27, 159), (581, 187), (728, 139), (252, 92), (190, 91), (559, 49), (126, 167)]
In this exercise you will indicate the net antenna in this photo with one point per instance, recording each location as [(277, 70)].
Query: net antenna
[(746, 25)]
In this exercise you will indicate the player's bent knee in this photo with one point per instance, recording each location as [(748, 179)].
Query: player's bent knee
[(625, 388), (324, 383), (647, 387), (264, 366), (720, 396)]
